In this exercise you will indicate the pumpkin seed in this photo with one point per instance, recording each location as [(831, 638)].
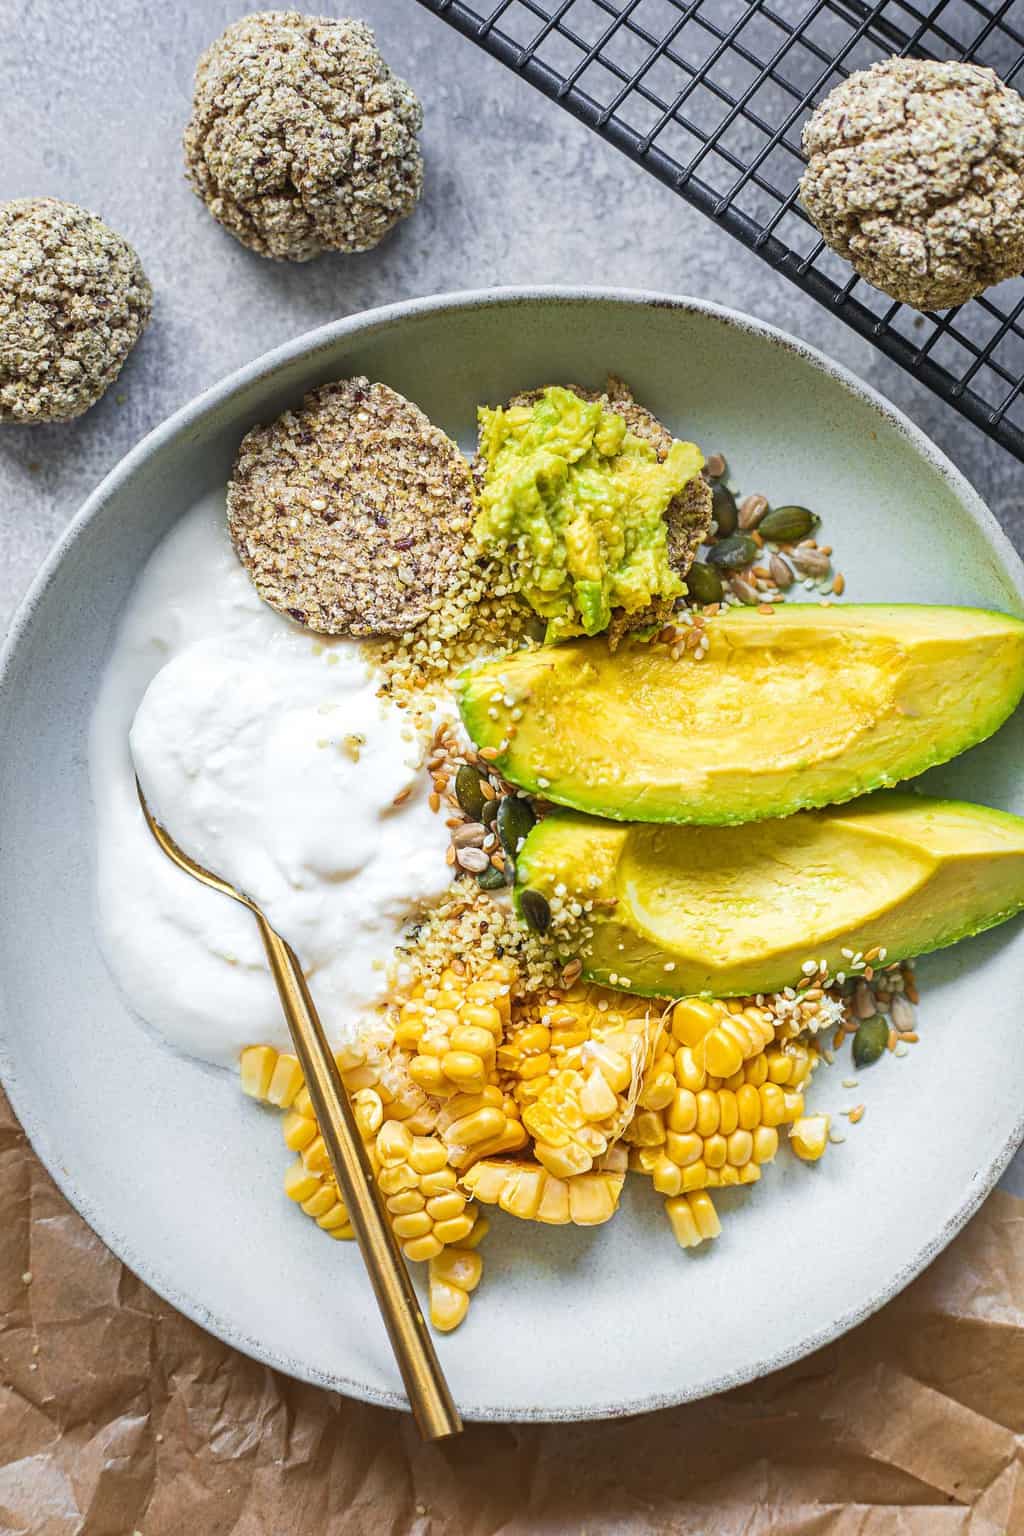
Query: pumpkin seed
[(734, 553), (811, 562), (489, 811), (515, 820), (870, 1041), (788, 524), (535, 910), (490, 879), (752, 511), (723, 509), (468, 792), (704, 584), (780, 573)]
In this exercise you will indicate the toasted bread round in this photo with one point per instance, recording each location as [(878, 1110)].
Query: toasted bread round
[(351, 514)]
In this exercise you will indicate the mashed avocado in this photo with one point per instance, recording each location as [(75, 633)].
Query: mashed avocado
[(580, 503)]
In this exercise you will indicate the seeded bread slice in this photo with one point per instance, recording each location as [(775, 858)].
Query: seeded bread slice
[(351, 514), (688, 515)]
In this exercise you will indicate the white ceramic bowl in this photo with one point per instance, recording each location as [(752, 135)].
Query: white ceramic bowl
[(180, 1174)]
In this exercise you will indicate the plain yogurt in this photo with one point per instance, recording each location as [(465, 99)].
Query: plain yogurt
[(269, 757)]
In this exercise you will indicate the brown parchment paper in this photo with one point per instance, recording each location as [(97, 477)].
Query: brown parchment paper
[(119, 1416)]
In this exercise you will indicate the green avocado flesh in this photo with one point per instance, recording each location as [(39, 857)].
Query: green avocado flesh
[(580, 503), (738, 910), (804, 707)]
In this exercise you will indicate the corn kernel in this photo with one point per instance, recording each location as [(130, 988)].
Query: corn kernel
[(405, 1202), (286, 1081), (684, 1149), (315, 1156), (766, 1143), (808, 1136), (454, 1230), (465, 1070), (707, 1112), (460, 1267), (682, 1112), (428, 1155), (298, 1131), (416, 1224), (321, 1200), (683, 1222), (445, 1207), (715, 1150), (597, 1098), (748, 1106), (667, 1176), (419, 1249), (696, 1175), (728, 1112), (740, 1148), (256, 1068), (448, 1305), (299, 1183), (692, 1018), (337, 1216)]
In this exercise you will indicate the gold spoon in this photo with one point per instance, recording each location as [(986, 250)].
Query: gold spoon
[(433, 1409)]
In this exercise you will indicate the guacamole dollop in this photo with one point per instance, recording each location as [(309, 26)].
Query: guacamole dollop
[(579, 501)]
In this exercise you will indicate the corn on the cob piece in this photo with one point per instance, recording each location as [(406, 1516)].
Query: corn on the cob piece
[(451, 1032), (722, 1086), (428, 1210), (527, 1190), (574, 1061)]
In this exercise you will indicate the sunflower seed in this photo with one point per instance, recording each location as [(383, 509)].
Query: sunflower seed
[(811, 561), (863, 1001), (470, 835), (473, 859), (903, 1015), (744, 591), (752, 509), (781, 573)]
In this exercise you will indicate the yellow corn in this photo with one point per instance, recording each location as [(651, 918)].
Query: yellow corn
[(454, 1274), (451, 1032), (735, 1080), (527, 1190), (573, 1061), (808, 1136), (256, 1068), (411, 1161), (693, 1219)]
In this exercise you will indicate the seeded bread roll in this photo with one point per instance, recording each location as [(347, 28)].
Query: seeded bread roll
[(74, 300), (352, 514), (301, 139), (916, 176)]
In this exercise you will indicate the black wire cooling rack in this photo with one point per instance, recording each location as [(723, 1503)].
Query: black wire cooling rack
[(711, 96)]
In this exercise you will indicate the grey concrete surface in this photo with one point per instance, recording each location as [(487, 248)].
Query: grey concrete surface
[(93, 98)]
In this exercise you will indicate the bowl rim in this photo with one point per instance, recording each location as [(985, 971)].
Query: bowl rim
[(197, 410)]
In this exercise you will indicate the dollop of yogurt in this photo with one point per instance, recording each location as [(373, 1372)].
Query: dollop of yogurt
[(270, 759)]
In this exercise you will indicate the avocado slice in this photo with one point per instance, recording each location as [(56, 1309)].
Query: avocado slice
[(802, 707), (738, 910)]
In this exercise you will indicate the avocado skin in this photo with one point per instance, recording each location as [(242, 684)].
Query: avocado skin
[(901, 871), (806, 707)]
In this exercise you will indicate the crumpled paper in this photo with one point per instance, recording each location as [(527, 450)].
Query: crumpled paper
[(118, 1416)]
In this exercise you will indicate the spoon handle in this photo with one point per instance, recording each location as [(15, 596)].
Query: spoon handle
[(433, 1408)]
